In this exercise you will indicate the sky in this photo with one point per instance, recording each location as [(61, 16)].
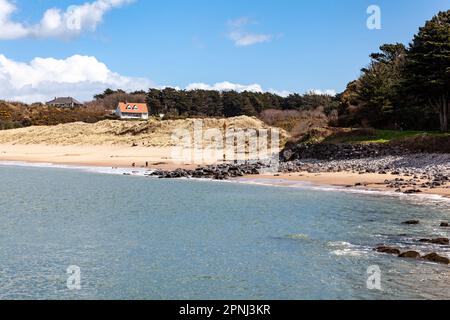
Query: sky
[(79, 48)]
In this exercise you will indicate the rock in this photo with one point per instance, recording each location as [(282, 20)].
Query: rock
[(441, 241), (411, 222), (444, 225), (217, 172), (329, 152), (434, 257), (388, 250), (412, 191), (410, 254)]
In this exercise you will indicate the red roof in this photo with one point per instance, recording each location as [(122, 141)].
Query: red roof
[(130, 107)]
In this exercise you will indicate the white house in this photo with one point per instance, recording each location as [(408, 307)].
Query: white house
[(128, 110)]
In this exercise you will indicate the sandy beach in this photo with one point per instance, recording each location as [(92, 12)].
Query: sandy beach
[(99, 156), (368, 181), (161, 158)]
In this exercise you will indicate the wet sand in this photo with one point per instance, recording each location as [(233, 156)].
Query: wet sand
[(161, 158), (98, 156), (367, 181)]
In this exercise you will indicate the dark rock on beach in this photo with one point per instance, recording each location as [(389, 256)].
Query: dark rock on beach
[(440, 241), (411, 222), (324, 151), (215, 172), (415, 171), (412, 191), (410, 255), (388, 250), (434, 257)]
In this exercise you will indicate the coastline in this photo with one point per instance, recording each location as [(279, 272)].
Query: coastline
[(343, 180), (118, 160), (92, 156)]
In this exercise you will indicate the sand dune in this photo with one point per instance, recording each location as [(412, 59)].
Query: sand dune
[(151, 133), (111, 143)]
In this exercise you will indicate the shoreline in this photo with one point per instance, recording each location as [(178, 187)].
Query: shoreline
[(160, 158), (92, 156), (324, 182), (347, 180)]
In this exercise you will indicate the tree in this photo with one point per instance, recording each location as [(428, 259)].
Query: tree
[(427, 72), (377, 88)]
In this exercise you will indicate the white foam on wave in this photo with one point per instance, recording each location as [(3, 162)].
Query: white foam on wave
[(341, 248), (142, 172), (91, 169), (418, 198)]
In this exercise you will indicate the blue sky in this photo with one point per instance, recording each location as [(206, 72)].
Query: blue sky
[(286, 45)]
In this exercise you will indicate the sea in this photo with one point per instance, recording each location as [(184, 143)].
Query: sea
[(71, 233)]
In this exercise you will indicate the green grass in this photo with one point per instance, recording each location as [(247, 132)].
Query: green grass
[(376, 136)]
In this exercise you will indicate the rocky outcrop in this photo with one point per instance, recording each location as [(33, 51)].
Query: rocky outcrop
[(415, 172), (410, 255), (324, 151), (388, 250), (216, 172), (434, 257), (440, 241)]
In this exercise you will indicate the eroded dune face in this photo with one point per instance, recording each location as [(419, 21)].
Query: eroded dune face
[(152, 133)]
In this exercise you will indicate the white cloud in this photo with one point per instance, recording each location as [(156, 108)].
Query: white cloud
[(77, 76), (56, 22), (281, 93), (225, 86), (329, 92), (229, 86), (243, 38)]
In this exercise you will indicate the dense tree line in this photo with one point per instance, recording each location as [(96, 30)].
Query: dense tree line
[(187, 103), (404, 87)]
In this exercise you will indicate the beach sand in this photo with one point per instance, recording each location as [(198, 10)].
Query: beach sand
[(98, 156), (367, 181), (161, 158)]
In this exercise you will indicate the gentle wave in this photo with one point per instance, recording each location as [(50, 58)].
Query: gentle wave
[(419, 198), (142, 172), (341, 248), (92, 169)]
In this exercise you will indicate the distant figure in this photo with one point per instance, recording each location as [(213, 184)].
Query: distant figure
[(146, 164), (133, 165)]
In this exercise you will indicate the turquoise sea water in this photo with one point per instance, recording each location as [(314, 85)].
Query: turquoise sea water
[(144, 238)]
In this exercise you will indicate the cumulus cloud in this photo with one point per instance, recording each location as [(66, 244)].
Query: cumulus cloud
[(77, 76), (281, 93), (229, 86), (225, 86), (243, 38), (56, 22)]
